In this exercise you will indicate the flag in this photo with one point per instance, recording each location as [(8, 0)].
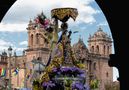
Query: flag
[(15, 72), (3, 72)]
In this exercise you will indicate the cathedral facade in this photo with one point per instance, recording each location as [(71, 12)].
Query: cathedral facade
[(95, 57)]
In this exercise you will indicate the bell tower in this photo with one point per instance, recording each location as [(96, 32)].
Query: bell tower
[(38, 47), (36, 37), (100, 43)]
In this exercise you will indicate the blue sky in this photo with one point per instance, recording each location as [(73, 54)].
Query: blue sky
[(13, 26)]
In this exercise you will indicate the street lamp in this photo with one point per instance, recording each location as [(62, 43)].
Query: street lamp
[(10, 53), (39, 66), (24, 62)]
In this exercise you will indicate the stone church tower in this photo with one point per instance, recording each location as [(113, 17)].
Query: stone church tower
[(37, 46), (96, 57), (100, 47), (100, 43), (38, 49)]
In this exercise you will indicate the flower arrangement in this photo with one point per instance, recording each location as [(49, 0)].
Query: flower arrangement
[(79, 86), (68, 71), (42, 21), (67, 75), (56, 76), (48, 84)]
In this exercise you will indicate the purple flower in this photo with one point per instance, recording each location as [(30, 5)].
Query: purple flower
[(58, 73), (82, 75), (64, 69), (86, 87), (48, 84), (54, 70), (73, 69), (78, 86)]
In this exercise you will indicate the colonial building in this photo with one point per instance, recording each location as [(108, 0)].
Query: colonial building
[(95, 57)]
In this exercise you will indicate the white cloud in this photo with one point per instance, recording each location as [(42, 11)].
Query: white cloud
[(23, 10), (13, 27), (19, 49), (103, 24), (23, 43), (115, 74), (4, 45)]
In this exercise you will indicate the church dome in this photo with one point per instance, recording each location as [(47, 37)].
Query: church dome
[(100, 35)]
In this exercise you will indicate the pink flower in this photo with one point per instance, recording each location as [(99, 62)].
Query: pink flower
[(36, 20), (47, 21)]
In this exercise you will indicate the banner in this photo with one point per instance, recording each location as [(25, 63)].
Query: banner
[(15, 72), (2, 72)]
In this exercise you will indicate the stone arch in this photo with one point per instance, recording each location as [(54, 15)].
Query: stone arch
[(92, 49), (31, 39), (37, 38), (97, 49), (104, 49), (94, 66), (107, 74), (108, 50)]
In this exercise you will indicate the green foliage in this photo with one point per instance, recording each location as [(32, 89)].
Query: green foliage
[(37, 85), (68, 82), (94, 84)]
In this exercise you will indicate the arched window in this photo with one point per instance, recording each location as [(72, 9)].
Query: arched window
[(97, 49), (107, 74), (37, 38), (104, 49), (31, 39), (108, 50), (92, 49), (94, 66)]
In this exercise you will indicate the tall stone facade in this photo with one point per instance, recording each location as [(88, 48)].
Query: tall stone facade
[(95, 56), (37, 46)]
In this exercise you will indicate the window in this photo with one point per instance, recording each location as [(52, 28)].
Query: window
[(97, 49), (108, 50), (107, 74), (104, 50), (92, 49), (94, 66), (31, 39), (37, 38)]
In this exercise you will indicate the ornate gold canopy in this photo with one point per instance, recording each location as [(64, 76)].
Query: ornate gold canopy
[(63, 14)]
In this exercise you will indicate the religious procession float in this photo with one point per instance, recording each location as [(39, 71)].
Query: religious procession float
[(63, 71)]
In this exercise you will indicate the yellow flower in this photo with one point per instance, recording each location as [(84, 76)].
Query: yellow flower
[(80, 65)]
